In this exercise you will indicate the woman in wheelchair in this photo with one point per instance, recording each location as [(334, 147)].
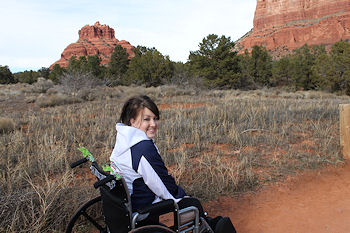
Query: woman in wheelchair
[(137, 158)]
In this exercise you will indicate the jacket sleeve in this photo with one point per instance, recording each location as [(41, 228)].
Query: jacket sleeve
[(151, 167)]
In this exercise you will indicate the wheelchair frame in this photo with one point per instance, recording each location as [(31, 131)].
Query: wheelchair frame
[(185, 220)]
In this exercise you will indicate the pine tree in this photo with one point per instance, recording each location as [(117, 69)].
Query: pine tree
[(216, 62), (6, 76), (56, 73), (149, 67), (118, 64), (301, 68), (94, 66), (281, 72)]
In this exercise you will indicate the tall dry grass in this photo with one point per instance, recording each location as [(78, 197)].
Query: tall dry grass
[(232, 142)]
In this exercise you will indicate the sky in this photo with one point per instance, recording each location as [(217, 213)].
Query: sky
[(34, 33)]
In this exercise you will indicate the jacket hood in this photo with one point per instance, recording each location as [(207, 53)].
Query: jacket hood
[(127, 136)]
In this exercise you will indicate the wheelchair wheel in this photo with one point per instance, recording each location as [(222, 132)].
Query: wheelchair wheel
[(152, 229), (88, 217)]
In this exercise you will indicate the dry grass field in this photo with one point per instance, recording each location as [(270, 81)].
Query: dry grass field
[(214, 142)]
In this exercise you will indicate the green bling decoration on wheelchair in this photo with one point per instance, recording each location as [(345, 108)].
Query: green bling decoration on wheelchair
[(87, 155), (136, 187)]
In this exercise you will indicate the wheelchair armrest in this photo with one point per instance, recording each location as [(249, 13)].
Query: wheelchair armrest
[(159, 208)]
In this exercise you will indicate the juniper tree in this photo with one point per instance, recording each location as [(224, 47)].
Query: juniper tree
[(216, 62)]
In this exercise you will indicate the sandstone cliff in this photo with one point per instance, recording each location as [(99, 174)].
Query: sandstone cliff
[(283, 25), (94, 40)]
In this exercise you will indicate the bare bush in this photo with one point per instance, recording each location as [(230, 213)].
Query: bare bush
[(42, 85), (6, 125), (34, 209), (98, 93), (75, 81), (55, 100)]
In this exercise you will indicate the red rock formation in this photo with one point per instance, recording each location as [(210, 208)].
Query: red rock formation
[(284, 25), (94, 40)]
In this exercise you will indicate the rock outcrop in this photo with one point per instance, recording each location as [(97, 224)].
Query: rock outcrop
[(94, 40), (284, 25)]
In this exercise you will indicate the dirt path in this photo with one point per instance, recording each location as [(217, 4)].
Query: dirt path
[(314, 201)]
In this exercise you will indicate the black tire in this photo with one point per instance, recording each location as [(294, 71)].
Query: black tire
[(152, 229), (88, 216)]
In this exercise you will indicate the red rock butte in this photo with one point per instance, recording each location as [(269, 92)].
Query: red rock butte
[(94, 40), (284, 25)]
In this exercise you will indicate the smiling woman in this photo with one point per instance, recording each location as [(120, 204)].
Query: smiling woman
[(137, 158)]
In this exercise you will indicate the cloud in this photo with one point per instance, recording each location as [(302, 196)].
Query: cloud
[(39, 30)]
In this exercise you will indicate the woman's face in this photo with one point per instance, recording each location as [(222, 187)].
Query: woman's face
[(146, 121)]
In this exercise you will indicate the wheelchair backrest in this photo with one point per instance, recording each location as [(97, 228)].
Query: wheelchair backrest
[(117, 186), (116, 202)]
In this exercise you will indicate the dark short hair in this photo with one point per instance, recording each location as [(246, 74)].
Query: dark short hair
[(133, 106)]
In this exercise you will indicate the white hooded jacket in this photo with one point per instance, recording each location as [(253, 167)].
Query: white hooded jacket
[(137, 159)]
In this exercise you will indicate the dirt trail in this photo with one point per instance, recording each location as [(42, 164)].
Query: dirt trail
[(314, 201)]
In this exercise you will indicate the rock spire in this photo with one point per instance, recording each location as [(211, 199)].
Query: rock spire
[(94, 40)]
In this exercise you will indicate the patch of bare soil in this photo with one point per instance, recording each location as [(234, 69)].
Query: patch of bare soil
[(313, 201)]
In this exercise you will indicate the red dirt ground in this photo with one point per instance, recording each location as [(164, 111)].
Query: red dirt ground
[(313, 201)]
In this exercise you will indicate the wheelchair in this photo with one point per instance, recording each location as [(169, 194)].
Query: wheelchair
[(114, 210)]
